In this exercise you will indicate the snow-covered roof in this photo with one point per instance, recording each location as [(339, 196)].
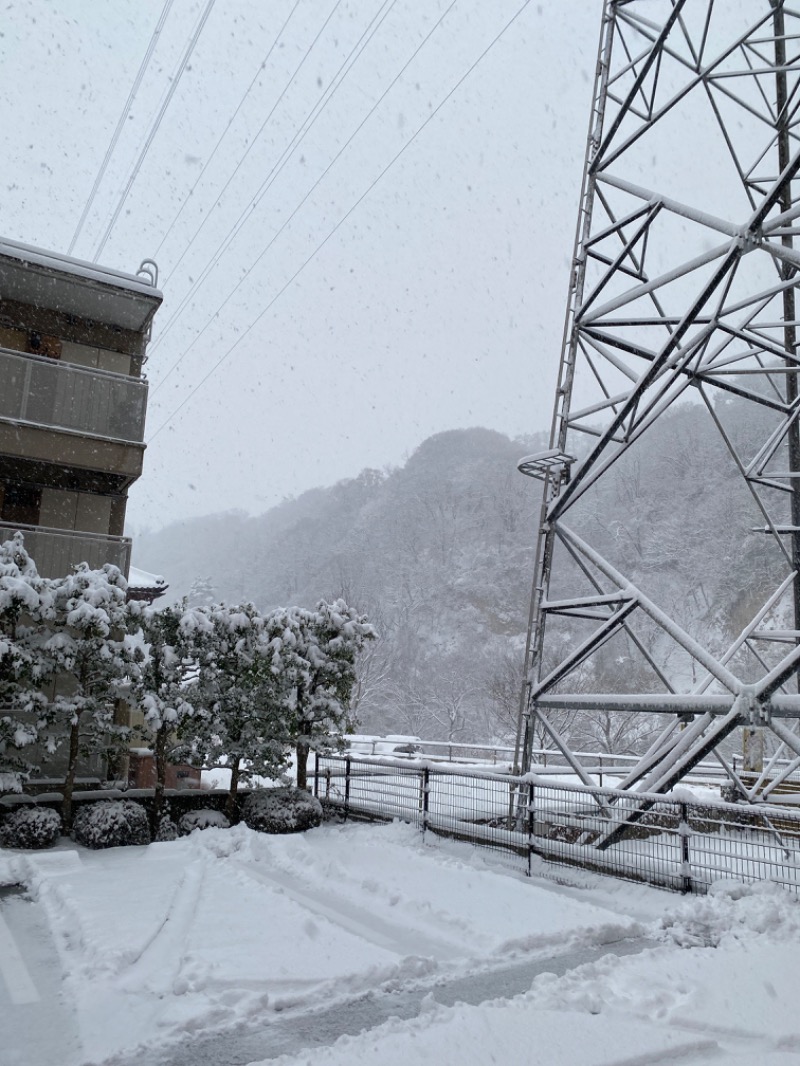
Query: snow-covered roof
[(141, 579), (61, 283), (144, 586)]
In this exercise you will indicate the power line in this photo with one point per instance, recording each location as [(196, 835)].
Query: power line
[(154, 128), (121, 123), (308, 122), (255, 139), (262, 66), (342, 220)]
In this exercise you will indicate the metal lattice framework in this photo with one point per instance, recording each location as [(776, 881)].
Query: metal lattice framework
[(682, 292)]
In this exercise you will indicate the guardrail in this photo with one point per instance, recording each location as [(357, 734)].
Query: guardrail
[(598, 763), (673, 844)]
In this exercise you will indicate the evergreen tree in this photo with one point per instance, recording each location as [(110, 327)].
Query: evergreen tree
[(201, 592), (26, 603), (327, 644), (88, 653), (244, 687), (165, 652)]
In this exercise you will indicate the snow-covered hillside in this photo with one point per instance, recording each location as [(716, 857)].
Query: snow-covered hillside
[(439, 554)]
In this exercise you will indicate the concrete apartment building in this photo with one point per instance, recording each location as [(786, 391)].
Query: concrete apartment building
[(73, 340)]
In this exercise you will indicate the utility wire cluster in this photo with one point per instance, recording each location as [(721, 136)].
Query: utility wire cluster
[(289, 151)]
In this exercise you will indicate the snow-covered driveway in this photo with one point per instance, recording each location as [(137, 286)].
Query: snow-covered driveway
[(310, 936), (227, 926)]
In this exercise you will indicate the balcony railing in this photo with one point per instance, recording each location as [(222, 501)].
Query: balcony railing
[(56, 551), (46, 392)]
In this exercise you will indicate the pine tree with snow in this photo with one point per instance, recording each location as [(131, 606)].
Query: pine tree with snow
[(329, 640), (201, 592), (245, 697), (25, 605), (164, 647), (89, 657)]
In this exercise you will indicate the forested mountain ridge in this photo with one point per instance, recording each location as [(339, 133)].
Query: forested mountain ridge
[(439, 554)]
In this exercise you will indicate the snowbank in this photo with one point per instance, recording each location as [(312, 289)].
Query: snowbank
[(501, 1032), (727, 1001)]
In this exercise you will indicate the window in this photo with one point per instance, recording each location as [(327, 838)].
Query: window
[(21, 503), (44, 344)]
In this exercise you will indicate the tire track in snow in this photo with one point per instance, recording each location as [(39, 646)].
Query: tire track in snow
[(16, 975), (391, 936), (37, 1024), (159, 963), (298, 1030)]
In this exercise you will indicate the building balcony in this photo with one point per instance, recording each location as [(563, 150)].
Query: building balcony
[(38, 391), (87, 421), (56, 551)]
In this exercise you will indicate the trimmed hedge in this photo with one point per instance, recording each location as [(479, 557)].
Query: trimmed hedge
[(111, 824), (202, 819), (281, 810), (167, 830), (30, 827)]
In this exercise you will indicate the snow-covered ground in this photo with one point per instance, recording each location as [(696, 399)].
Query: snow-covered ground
[(228, 930)]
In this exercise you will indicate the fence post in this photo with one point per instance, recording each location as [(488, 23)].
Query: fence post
[(316, 778), (346, 787), (685, 832), (600, 775), (424, 798), (531, 824)]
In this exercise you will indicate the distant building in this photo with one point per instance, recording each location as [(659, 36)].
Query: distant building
[(73, 339), (145, 587)]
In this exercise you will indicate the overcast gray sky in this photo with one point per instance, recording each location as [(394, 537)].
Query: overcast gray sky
[(434, 302)]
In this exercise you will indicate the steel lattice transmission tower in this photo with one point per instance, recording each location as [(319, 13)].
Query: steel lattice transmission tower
[(682, 298)]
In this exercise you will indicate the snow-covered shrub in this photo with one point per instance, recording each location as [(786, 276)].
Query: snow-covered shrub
[(202, 819), (167, 830), (10, 782), (30, 827), (281, 810), (111, 824)]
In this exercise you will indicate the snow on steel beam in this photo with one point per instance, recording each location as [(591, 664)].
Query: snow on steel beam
[(674, 206), (786, 705), (679, 635)]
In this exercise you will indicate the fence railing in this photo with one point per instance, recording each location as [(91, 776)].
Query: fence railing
[(599, 764), (660, 840)]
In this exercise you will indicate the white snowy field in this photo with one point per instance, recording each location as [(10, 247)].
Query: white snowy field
[(228, 929)]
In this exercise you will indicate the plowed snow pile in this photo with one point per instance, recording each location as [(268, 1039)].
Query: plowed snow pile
[(225, 925)]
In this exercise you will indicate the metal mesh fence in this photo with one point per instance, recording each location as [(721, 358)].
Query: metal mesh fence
[(662, 841), (371, 789)]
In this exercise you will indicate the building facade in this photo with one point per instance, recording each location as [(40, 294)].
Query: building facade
[(73, 399)]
